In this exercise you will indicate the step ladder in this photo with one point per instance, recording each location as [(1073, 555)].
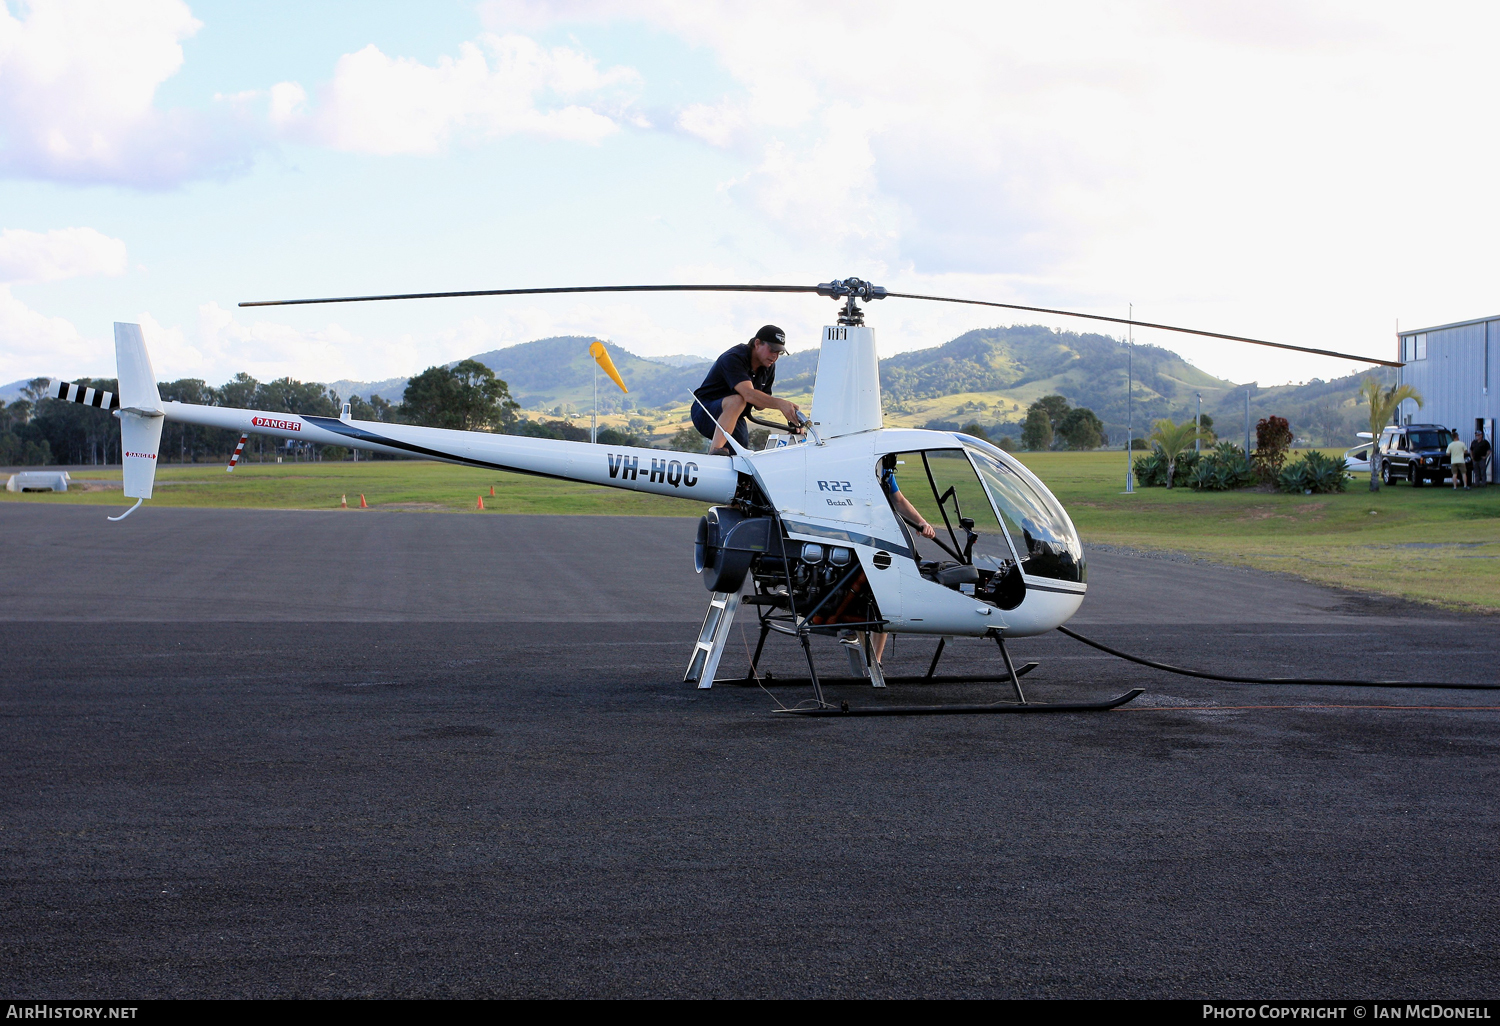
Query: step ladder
[(711, 638), (862, 662)]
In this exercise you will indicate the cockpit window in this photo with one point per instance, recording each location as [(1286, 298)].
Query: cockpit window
[(942, 486), (1033, 516)]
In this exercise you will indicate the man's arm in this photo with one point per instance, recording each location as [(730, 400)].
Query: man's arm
[(760, 400), (906, 509)]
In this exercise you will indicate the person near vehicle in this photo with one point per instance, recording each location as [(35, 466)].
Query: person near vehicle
[(1481, 450), (906, 511), (739, 380), (1457, 454)]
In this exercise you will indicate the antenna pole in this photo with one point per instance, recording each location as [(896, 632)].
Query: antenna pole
[(1129, 400), (1247, 423), (594, 420), (1198, 424)]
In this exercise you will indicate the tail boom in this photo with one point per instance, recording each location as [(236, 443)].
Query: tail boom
[(709, 479)]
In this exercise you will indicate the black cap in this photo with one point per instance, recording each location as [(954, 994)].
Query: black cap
[(771, 336)]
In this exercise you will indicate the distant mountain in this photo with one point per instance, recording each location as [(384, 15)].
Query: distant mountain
[(555, 371), (988, 375), (1023, 363), (683, 360), (11, 392), (391, 389)]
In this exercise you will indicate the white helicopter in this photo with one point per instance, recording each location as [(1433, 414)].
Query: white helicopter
[(806, 520)]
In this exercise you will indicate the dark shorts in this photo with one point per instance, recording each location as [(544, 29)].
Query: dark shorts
[(707, 425)]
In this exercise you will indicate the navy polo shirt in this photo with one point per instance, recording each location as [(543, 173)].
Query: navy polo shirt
[(729, 370)]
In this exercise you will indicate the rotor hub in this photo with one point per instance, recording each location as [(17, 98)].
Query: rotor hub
[(849, 290)]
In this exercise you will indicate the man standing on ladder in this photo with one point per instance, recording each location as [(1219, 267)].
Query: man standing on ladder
[(740, 379)]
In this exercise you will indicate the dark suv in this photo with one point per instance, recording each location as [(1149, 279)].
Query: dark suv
[(1416, 453)]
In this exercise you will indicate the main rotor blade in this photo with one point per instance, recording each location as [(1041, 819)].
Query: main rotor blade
[(840, 289), (540, 292), (1150, 324)]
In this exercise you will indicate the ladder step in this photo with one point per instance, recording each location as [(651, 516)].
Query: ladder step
[(709, 648)]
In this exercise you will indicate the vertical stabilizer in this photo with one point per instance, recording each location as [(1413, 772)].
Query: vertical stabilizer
[(137, 379), (846, 396), (140, 411)]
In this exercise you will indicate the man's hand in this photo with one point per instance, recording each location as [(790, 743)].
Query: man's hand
[(927, 530), (789, 410)]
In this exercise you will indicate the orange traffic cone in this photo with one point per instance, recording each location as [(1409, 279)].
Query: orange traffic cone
[(480, 504), (492, 491), (343, 502), (362, 503)]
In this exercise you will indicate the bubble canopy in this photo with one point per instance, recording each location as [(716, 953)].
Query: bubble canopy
[(1039, 528)]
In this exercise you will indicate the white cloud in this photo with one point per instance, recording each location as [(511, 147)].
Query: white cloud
[(1303, 171), (33, 344), (498, 86), (29, 257), (78, 79)]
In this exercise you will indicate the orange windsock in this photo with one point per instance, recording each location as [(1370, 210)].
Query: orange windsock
[(601, 354)]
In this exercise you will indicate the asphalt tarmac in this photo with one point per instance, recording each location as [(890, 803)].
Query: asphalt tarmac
[(380, 754)]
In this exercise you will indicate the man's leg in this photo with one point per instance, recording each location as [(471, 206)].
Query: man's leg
[(878, 641), (729, 418)]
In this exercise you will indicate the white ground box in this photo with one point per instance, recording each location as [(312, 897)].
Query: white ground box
[(38, 481)]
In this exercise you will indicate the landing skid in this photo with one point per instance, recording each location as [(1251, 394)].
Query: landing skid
[(771, 680), (944, 710), (865, 670)]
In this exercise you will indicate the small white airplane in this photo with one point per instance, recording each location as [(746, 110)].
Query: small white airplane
[(808, 520)]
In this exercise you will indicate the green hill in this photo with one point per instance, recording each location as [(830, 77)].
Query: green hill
[(558, 371), (989, 375)]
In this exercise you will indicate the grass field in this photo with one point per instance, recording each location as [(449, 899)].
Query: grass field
[(1428, 544), (417, 485)]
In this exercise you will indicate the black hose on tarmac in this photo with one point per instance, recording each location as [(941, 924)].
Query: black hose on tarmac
[(1320, 682)]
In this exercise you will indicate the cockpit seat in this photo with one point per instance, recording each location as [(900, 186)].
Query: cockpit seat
[(953, 576)]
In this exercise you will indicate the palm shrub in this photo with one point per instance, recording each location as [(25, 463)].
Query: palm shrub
[(1222, 468), (1382, 403), (1175, 441), (1314, 472)]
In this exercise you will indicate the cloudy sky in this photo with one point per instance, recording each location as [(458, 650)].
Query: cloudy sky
[(1302, 171)]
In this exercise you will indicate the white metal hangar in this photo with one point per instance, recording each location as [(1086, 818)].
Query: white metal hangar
[(1452, 367)]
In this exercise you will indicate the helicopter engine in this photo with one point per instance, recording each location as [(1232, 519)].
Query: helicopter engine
[(822, 581)]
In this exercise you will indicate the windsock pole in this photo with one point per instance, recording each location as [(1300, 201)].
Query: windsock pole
[(238, 450), (601, 359)]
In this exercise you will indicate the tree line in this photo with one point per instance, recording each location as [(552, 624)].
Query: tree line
[(37, 429)]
